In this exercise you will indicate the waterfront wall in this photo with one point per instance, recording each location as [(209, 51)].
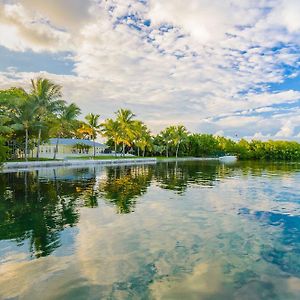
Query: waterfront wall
[(67, 163)]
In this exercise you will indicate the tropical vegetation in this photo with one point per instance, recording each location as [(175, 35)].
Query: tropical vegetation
[(31, 117)]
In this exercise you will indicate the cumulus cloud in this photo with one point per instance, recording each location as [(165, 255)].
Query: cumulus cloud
[(19, 31), (207, 64)]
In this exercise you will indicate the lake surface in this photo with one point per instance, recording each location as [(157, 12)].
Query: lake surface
[(191, 230)]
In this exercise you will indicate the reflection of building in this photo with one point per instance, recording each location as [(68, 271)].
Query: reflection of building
[(70, 148), (67, 174)]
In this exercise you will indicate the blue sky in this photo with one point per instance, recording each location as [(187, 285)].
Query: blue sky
[(225, 67)]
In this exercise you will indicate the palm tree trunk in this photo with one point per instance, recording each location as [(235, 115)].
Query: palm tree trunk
[(138, 151), (177, 148), (167, 151), (144, 152), (56, 148), (26, 143), (94, 148), (123, 150), (115, 149), (38, 144)]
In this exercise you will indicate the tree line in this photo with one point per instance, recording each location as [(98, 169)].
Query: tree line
[(30, 118)]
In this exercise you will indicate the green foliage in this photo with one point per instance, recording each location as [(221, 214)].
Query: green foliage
[(3, 150), (29, 118), (203, 145), (81, 146)]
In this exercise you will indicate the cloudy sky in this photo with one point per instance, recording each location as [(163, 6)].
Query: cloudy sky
[(230, 67)]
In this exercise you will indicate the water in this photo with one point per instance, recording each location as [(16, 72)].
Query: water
[(190, 230)]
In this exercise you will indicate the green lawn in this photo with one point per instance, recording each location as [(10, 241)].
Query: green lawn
[(102, 157), (171, 157), (79, 158), (32, 159)]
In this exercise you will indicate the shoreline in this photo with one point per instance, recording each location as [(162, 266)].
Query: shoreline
[(173, 159), (32, 165)]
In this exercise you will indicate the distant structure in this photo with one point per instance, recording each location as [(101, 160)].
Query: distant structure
[(70, 148)]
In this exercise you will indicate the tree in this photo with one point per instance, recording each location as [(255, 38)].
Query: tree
[(111, 130), (178, 135), (203, 145), (3, 150), (142, 138), (4, 129), (64, 122), (94, 125), (18, 110), (126, 124), (166, 136), (46, 95), (24, 118)]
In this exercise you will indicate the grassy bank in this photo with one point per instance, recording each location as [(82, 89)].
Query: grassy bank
[(102, 157), (32, 159)]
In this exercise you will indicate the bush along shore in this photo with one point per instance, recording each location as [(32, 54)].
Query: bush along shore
[(31, 116)]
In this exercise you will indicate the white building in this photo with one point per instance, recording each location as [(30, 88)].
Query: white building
[(70, 148)]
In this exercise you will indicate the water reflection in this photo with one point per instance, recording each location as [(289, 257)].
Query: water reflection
[(285, 251), (200, 230), (124, 184), (38, 205)]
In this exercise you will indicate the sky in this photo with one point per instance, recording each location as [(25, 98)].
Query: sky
[(229, 67)]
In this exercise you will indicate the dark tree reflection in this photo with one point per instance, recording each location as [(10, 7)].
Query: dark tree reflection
[(177, 176), (38, 208), (124, 184)]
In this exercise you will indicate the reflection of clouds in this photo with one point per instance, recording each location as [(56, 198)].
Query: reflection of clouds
[(147, 247), (100, 250), (195, 243), (32, 278), (294, 284), (204, 281)]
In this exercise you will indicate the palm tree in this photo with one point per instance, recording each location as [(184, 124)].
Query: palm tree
[(166, 135), (94, 125), (126, 123), (4, 125), (46, 95), (179, 134), (65, 122), (142, 136), (146, 142), (139, 130), (23, 119), (111, 130)]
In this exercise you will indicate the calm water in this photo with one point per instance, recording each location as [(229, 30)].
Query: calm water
[(186, 231)]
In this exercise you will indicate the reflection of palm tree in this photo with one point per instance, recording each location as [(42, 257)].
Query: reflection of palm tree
[(171, 177), (177, 176), (46, 209), (124, 184)]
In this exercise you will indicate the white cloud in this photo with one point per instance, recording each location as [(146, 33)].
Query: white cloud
[(286, 131), (19, 31), (207, 64)]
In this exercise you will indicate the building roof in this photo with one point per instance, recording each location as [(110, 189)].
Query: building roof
[(73, 142)]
